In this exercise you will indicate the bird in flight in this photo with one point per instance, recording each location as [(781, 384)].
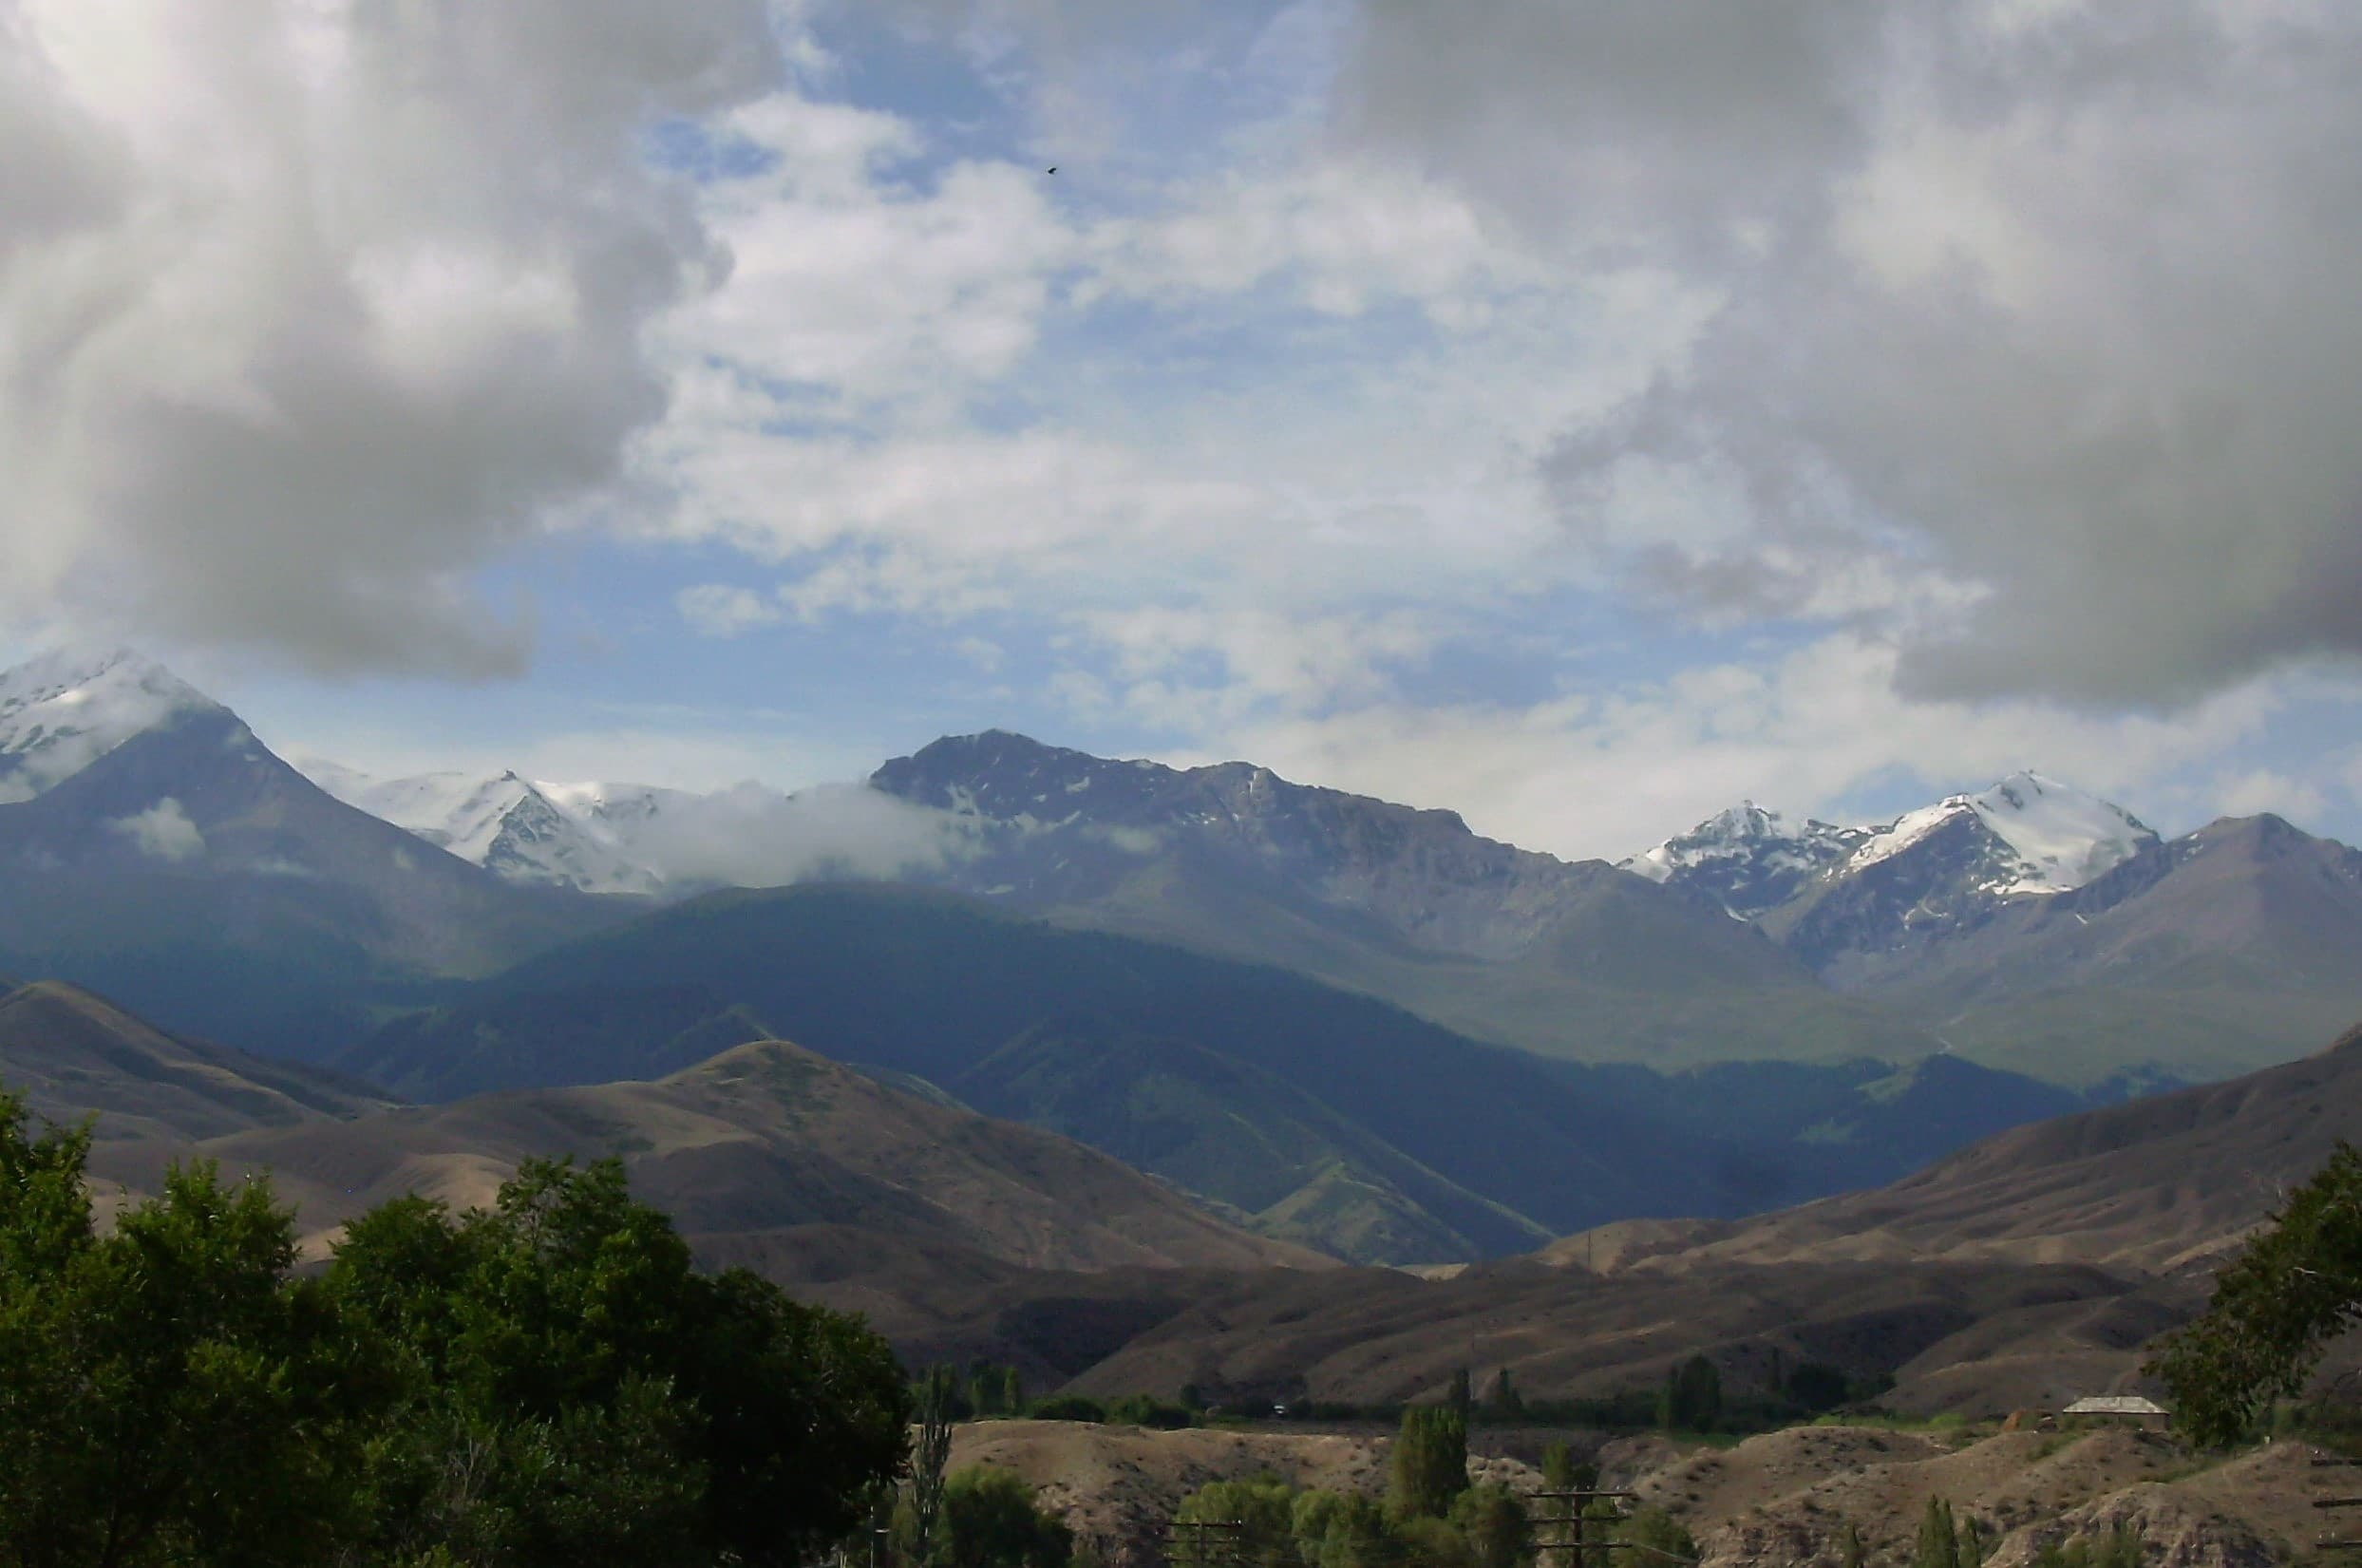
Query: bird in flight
[(1053, 169)]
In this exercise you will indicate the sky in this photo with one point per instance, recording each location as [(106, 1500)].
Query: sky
[(1579, 415)]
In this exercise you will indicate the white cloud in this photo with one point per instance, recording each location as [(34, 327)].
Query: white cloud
[(1608, 774), (751, 837), (307, 311), (2046, 303), (1204, 669), (2256, 791), (854, 288), (163, 831), (718, 610)]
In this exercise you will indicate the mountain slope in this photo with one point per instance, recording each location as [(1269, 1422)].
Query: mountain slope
[(1212, 1124), (1495, 942), (61, 713), (2223, 951), (72, 1054), (1263, 1089), (2156, 1184), (1841, 897), (513, 828), (591, 1033), (756, 1146), (190, 873)]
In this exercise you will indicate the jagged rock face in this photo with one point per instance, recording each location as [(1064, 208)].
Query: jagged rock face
[(511, 826), (1063, 826), (1748, 861), (1836, 895)]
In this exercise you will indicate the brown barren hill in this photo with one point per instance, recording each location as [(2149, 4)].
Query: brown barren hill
[(73, 1054), (2158, 1184), (750, 1151)]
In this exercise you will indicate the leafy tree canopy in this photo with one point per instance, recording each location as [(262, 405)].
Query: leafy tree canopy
[(544, 1382), (2296, 1286)]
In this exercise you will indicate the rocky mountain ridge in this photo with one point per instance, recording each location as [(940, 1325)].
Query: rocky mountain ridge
[(1849, 942)]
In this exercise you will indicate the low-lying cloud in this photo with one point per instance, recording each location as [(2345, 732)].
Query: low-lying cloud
[(308, 311), (754, 837), (163, 832)]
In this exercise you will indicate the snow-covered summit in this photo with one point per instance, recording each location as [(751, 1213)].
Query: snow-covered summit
[(64, 710), (525, 831), (2057, 837), (2028, 834), (1748, 858)]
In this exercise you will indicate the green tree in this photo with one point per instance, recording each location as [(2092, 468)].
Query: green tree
[(1818, 1385), (1504, 1398), (1849, 1552), (1939, 1543), (2294, 1288), (1264, 1508), (1429, 1543), (1459, 1399), (1691, 1399), (1492, 1519), (1341, 1530), (1601, 1519), (930, 1455), (546, 1382), (1431, 1462), (995, 1390), (164, 1389), (1658, 1536), (568, 1387), (992, 1519)]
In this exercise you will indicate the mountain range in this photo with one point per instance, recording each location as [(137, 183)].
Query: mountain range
[(2021, 1270), (1341, 1023), (1310, 1112)]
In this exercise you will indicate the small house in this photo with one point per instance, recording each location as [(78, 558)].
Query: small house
[(2119, 1406)]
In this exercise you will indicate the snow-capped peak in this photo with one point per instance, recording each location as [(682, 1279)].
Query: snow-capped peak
[(1748, 858), (503, 822), (2057, 837), (2035, 836), (64, 710)]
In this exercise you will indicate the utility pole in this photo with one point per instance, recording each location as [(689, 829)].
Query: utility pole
[(1570, 1521)]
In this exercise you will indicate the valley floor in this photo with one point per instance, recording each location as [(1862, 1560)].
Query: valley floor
[(1781, 1500)]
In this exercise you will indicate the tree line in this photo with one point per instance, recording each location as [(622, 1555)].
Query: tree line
[(544, 1383)]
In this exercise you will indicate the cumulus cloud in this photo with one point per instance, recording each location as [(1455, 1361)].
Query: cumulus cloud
[(2045, 303), (306, 311), (163, 831)]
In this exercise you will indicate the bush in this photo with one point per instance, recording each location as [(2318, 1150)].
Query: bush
[(1068, 1408), (991, 1519), (1148, 1411)]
